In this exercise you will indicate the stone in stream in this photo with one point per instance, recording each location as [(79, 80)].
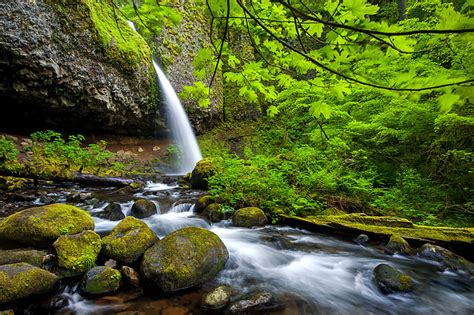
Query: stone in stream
[(199, 176), (214, 212), (447, 258), (77, 253), (390, 280), (22, 280), (397, 244), (184, 258), (131, 276), (248, 217), (202, 203), (362, 239), (41, 226), (100, 280), (112, 212), (128, 240), (143, 208), (30, 256), (216, 298), (256, 302)]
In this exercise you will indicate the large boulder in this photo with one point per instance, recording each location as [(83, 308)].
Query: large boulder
[(77, 253), (248, 217), (76, 65), (22, 280), (397, 244), (41, 226), (201, 173), (202, 203), (112, 212), (184, 258), (128, 240), (143, 208), (100, 280), (447, 258), (390, 280), (214, 212), (31, 256)]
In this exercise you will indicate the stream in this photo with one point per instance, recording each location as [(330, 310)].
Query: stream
[(308, 273)]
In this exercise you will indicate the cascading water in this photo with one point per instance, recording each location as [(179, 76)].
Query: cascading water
[(179, 125)]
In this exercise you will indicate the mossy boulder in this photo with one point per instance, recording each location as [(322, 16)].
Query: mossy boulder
[(214, 212), (201, 173), (22, 280), (77, 253), (202, 203), (128, 240), (248, 217), (184, 258), (100, 280), (447, 258), (390, 280), (26, 255), (143, 208), (41, 226), (112, 212), (397, 244)]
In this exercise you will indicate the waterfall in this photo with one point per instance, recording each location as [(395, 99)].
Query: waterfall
[(179, 125)]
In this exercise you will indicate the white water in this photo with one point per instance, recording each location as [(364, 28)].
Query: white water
[(178, 122)]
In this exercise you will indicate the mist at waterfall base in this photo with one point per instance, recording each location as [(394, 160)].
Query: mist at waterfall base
[(181, 131)]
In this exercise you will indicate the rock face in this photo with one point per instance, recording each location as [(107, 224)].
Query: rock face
[(397, 244), (100, 280), (22, 280), (128, 240), (30, 256), (77, 253), (41, 226), (143, 208), (248, 217), (184, 258), (72, 63), (199, 176), (390, 280), (447, 258)]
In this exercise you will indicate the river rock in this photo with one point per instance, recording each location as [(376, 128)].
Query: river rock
[(184, 258), (255, 302), (100, 280), (143, 208), (397, 244), (77, 253), (248, 217), (131, 276), (202, 203), (216, 298), (390, 280), (112, 212), (22, 280), (447, 258), (362, 239), (41, 226), (214, 212), (128, 240), (201, 173), (30, 256)]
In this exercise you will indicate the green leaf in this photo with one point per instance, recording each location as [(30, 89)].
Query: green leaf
[(320, 108), (446, 101), (272, 111)]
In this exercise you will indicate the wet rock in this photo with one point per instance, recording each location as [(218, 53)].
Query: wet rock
[(216, 298), (112, 212), (79, 197), (447, 258), (111, 263), (77, 253), (362, 239), (22, 280), (390, 280), (128, 240), (131, 276), (100, 280), (256, 302), (214, 212), (184, 258), (202, 203), (199, 176), (143, 208), (248, 217), (41, 226), (397, 244), (30, 256), (21, 197)]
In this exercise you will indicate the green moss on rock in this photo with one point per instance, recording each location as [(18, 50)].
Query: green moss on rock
[(128, 240), (397, 244), (143, 208), (30, 256), (214, 212), (447, 258), (247, 217), (202, 203), (77, 253), (201, 173), (390, 280), (100, 280), (184, 258), (22, 280), (41, 226)]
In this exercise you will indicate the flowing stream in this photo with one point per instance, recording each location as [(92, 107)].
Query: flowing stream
[(308, 273)]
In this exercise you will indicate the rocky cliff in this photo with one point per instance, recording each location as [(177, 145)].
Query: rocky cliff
[(74, 65)]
